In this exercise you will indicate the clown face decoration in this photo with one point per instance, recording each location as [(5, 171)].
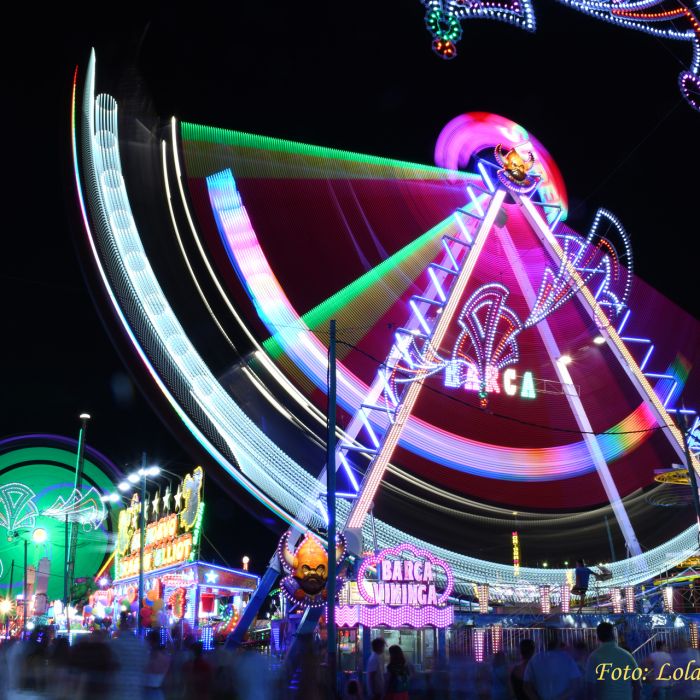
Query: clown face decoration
[(514, 170), (307, 569)]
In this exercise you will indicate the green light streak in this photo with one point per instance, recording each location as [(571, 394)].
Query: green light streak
[(404, 266), (209, 149)]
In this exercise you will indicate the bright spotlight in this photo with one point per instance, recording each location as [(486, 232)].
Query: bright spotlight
[(84, 416), (133, 478), (39, 536), (153, 471), (599, 340), (113, 497), (5, 606), (124, 486), (565, 359)]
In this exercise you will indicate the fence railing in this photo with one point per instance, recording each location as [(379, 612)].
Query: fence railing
[(481, 642)]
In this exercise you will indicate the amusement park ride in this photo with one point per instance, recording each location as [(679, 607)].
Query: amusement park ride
[(486, 277)]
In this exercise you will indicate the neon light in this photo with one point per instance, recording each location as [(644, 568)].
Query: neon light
[(483, 594), (565, 593), (616, 599), (404, 582), (348, 471), (464, 136), (436, 283), (661, 24), (624, 321), (508, 377), (496, 639), (527, 390), (667, 598), (479, 638), (592, 307), (475, 200), (516, 553), (487, 179), (545, 600), (375, 471), (402, 616), (443, 19), (646, 358), (420, 317)]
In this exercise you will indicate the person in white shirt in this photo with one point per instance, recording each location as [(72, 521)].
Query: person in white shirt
[(660, 669), (375, 670), (552, 674), (688, 659), (610, 669)]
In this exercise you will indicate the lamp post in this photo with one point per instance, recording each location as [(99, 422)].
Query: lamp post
[(71, 530), (7, 602), (142, 538), (140, 477)]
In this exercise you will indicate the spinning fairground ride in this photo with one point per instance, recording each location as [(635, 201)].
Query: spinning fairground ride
[(498, 372)]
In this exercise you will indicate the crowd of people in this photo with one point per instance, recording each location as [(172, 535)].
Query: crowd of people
[(112, 667), (123, 666), (608, 672)]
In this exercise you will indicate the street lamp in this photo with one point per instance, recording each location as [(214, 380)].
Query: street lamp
[(141, 475)]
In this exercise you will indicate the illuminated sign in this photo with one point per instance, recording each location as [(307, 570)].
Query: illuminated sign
[(516, 554), (402, 589), (170, 539), (465, 374)]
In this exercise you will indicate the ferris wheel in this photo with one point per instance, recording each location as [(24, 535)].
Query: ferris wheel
[(498, 371)]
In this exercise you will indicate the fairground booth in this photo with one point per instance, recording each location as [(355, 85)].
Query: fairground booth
[(180, 592), (400, 594)]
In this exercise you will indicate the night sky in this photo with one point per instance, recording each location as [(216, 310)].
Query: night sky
[(602, 100)]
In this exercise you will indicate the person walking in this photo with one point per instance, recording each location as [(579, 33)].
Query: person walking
[(375, 670), (398, 675), (552, 674), (660, 664), (499, 677), (602, 683), (517, 674)]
